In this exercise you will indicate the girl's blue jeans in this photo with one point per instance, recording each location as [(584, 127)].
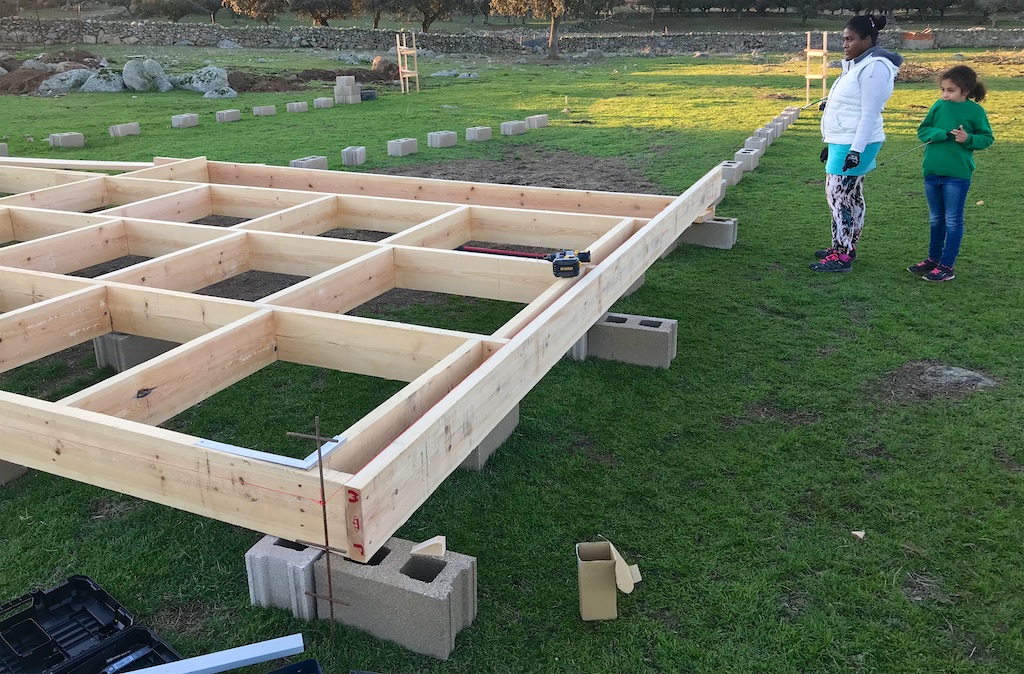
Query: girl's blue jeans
[(946, 198)]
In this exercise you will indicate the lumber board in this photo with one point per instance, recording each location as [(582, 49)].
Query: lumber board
[(76, 164), (69, 251), (14, 179), (35, 223), (20, 288), (371, 434), (184, 170), (310, 219), (192, 268), (246, 202), (366, 346), (560, 231), (535, 308), (386, 214), (170, 468), (385, 493), (495, 277), (150, 238), (6, 226), (122, 191), (48, 326), (343, 288), (446, 231), (302, 255), (186, 205), (448, 191), (83, 195), (166, 314), (169, 384)]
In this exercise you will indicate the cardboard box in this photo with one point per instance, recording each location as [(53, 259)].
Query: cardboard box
[(602, 571)]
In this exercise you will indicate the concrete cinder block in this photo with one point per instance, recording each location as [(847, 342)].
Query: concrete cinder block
[(401, 147), (264, 110), (779, 127), (122, 352), (345, 81), (351, 99), (229, 115), (732, 171), (313, 162), (3, 150), (184, 121), (536, 121), (299, 106), (442, 139), (478, 459), (721, 194), (639, 340), (421, 603), (323, 103), (794, 110), (9, 472), (280, 574), (513, 128), (67, 139), (478, 133), (748, 159), (714, 233), (756, 143), (353, 155), (345, 91), (121, 130)]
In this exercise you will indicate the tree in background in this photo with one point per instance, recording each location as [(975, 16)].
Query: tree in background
[(321, 10), (429, 10), (264, 10), (175, 10), (211, 7), (474, 7), (544, 9), (375, 8)]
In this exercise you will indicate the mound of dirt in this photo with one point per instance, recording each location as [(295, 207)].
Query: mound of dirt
[(242, 81), (531, 166), (71, 55), (912, 72), (22, 81)]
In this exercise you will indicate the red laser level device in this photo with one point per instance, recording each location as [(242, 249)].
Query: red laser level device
[(566, 263)]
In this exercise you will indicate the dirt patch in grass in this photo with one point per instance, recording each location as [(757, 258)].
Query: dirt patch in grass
[(913, 72), (777, 96), (242, 81), (219, 221), (74, 55), (113, 507), (525, 165), (918, 587), (356, 234), (399, 298), (580, 444), (927, 380), (251, 285), (764, 412), (792, 605), (1006, 460), (22, 81), (108, 266), (863, 449), (189, 618)]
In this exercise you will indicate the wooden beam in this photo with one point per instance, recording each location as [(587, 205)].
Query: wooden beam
[(614, 238), (77, 164), (559, 231), (150, 238), (83, 195), (70, 251), (371, 434), (246, 202), (449, 191), (189, 204), (14, 180), (446, 231), (497, 277), (364, 346), (311, 218), (35, 223), (38, 330), (302, 255), (184, 170), (20, 288), (192, 268), (170, 468), (122, 191), (155, 391), (6, 226), (343, 288), (535, 308), (165, 314), (384, 214), (384, 494)]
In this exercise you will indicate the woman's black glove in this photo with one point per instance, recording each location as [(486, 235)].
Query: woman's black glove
[(824, 154), (824, 102), (852, 161)]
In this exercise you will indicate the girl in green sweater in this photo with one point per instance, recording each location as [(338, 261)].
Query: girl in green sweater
[(953, 128)]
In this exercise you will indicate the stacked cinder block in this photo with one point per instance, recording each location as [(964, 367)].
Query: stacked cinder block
[(300, 106), (346, 90), (353, 155), (732, 171), (638, 340), (3, 150), (442, 139), (323, 103), (536, 121), (120, 130), (416, 601), (478, 133), (401, 147), (229, 115), (766, 132), (264, 110), (280, 574), (184, 121), (513, 128), (756, 143), (313, 162), (749, 159), (712, 233), (67, 139)]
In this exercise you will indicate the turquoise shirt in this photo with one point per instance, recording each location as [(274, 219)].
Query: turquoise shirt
[(837, 156)]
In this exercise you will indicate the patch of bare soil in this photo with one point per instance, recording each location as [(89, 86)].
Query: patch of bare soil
[(494, 245), (779, 97), (925, 380), (919, 588), (108, 266), (525, 165), (77, 55), (1007, 460), (112, 507), (399, 298), (219, 221), (242, 81), (580, 444), (912, 72), (22, 81), (251, 285), (356, 234), (765, 412), (187, 618)]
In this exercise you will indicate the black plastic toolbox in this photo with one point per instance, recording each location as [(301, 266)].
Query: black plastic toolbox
[(135, 648), (48, 628)]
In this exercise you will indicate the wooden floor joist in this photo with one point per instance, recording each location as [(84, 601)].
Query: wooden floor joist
[(459, 385)]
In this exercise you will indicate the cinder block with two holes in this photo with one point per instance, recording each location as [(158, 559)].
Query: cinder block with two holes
[(732, 172), (298, 106), (638, 340), (353, 155), (755, 143), (748, 158), (478, 133), (122, 352), (313, 162), (264, 110), (401, 147), (418, 602), (280, 574), (442, 139), (9, 472), (713, 233)]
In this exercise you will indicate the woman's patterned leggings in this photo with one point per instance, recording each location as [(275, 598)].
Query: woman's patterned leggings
[(845, 196)]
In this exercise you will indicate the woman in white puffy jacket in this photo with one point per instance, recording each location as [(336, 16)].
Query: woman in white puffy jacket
[(852, 127)]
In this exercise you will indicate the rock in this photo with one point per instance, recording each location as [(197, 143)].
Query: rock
[(425, 53), (835, 64), (757, 55), (205, 79), (347, 58), (135, 77), (155, 72), (223, 92), (33, 64), (393, 51), (958, 57), (228, 44), (184, 43), (595, 54), (381, 64), (700, 55), (105, 81), (65, 66), (445, 73), (3, 71), (65, 82), (261, 60), (463, 76)]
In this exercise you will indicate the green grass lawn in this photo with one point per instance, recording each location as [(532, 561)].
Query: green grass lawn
[(733, 479)]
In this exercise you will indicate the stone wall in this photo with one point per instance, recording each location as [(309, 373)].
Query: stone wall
[(24, 30)]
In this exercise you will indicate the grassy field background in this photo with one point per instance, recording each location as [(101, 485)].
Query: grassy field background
[(733, 479)]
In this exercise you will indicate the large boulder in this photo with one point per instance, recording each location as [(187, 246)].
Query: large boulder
[(203, 80), (224, 92), (65, 82), (228, 44), (145, 75), (105, 81), (3, 71), (155, 71)]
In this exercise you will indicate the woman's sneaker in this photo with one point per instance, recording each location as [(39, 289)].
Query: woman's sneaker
[(833, 263), (939, 274), (822, 253), (922, 268)]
